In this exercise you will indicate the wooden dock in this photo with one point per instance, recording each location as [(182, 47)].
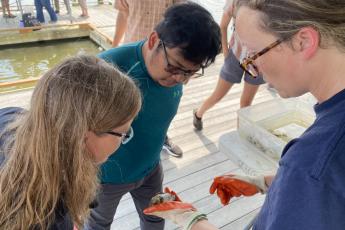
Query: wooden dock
[(191, 175)]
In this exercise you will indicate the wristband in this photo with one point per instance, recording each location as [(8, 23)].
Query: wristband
[(195, 217)]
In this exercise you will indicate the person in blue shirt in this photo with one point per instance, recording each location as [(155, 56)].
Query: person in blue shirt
[(299, 46), (80, 113), (185, 42)]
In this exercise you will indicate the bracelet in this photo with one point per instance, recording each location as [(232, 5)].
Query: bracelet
[(197, 216)]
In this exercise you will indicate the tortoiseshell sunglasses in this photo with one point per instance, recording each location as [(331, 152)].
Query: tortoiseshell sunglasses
[(247, 63)]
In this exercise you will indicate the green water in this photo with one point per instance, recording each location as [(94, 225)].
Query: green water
[(33, 59)]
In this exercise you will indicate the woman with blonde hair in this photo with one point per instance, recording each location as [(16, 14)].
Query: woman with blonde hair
[(299, 47), (81, 111)]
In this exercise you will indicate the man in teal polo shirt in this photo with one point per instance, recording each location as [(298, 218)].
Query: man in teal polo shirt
[(185, 42)]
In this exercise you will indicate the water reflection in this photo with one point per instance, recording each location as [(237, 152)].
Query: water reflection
[(32, 60)]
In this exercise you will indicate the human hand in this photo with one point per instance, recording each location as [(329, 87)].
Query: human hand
[(229, 186), (182, 214)]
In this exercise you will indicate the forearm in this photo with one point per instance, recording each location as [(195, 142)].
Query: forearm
[(203, 225), (225, 47), (121, 26), (225, 21)]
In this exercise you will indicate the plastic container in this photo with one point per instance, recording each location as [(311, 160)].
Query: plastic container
[(270, 125), (244, 154)]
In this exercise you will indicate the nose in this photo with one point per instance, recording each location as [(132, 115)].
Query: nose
[(179, 78)]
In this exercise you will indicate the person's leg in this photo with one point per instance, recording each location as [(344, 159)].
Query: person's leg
[(85, 11), (171, 148), (83, 6), (6, 6), (230, 74), (251, 86), (248, 94), (52, 14), (39, 10), (108, 198), (142, 195), (68, 7), (218, 93), (50, 10), (57, 6), (3, 7)]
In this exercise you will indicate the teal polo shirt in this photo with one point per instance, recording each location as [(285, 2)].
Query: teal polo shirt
[(136, 159)]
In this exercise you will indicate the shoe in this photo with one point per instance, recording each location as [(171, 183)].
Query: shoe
[(197, 121), (171, 148), (57, 11), (9, 16)]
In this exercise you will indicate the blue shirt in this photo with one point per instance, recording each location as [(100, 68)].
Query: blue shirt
[(134, 160), (308, 191), (7, 115)]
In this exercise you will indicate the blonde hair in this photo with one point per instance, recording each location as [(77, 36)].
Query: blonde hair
[(47, 162), (285, 18)]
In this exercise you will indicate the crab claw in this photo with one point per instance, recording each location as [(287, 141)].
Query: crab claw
[(167, 190)]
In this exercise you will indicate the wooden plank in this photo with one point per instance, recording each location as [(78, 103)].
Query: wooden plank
[(240, 223), (18, 82), (45, 26), (237, 209)]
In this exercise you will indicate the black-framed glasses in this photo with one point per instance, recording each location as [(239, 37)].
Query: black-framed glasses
[(175, 70), (247, 63), (125, 137)]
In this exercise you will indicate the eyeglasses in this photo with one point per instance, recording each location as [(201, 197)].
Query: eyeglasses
[(125, 137), (248, 63), (187, 74)]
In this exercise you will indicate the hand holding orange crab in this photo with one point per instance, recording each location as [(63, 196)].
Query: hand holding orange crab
[(182, 214), (229, 186)]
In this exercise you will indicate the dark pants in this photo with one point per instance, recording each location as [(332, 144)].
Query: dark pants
[(39, 4), (141, 191)]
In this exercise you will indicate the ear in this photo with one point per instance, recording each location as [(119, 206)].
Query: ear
[(308, 41), (152, 40)]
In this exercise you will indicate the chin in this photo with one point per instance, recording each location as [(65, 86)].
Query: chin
[(167, 84), (285, 94), (101, 161)]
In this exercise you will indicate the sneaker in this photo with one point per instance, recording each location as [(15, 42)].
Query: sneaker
[(197, 121), (171, 148)]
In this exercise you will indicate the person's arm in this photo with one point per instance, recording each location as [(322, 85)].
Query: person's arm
[(121, 21), (121, 26), (203, 225), (224, 24)]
